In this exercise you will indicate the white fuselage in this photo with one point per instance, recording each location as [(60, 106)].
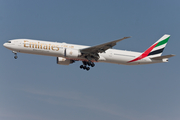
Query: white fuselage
[(57, 50)]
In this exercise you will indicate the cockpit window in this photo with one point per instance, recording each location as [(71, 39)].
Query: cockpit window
[(9, 41)]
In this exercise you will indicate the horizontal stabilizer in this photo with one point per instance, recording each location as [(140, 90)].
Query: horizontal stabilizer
[(162, 57)]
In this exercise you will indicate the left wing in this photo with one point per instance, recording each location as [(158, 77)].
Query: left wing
[(101, 48)]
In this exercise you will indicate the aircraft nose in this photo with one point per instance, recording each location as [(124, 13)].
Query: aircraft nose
[(5, 44)]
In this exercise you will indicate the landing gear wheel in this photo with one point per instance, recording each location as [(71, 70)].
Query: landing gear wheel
[(81, 66), (15, 53), (84, 67), (88, 64), (84, 62), (15, 57), (92, 64), (88, 68)]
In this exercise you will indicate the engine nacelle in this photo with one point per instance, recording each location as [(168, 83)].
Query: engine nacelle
[(64, 61), (71, 53)]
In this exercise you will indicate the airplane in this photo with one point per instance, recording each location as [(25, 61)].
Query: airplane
[(69, 53)]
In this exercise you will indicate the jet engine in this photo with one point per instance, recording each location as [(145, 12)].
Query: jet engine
[(71, 53), (64, 61)]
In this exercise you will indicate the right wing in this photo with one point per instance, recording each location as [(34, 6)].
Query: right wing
[(92, 52)]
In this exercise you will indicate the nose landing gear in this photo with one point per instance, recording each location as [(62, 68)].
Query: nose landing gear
[(15, 53), (15, 57)]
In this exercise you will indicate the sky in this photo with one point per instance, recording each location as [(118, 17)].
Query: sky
[(34, 87)]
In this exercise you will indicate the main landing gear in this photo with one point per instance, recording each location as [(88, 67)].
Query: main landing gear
[(15, 53), (86, 64)]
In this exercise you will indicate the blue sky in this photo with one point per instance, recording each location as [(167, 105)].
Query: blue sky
[(36, 88)]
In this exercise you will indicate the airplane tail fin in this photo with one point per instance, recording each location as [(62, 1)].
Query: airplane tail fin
[(157, 48), (155, 51)]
